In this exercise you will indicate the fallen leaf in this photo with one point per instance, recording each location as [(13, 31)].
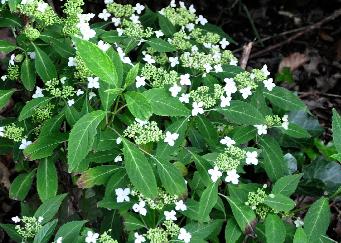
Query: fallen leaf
[(293, 61)]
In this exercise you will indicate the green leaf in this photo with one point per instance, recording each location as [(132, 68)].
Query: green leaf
[(49, 208), (274, 229), (81, 139), (296, 131), (106, 95), (138, 105), (11, 232), (139, 170), (165, 105), (232, 231), (96, 176), (31, 106), (47, 179), (207, 130), (21, 186), (207, 201), (117, 179), (131, 223), (200, 231), (202, 166), (62, 46), (166, 26), (6, 46), (52, 125), (97, 61), (131, 76), (9, 20), (243, 134), (242, 214), (44, 146), (5, 95), (45, 232), (70, 231), (300, 236), (284, 99), (286, 185), (317, 220), (160, 45), (27, 74), (279, 202), (336, 127), (273, 164), (44, 65), (242, 113)]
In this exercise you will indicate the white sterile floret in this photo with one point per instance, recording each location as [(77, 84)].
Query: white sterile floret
[(269, 84), (123, 56), (141, 122), (285, 123), (140, 81), (184, 98), (190, 27), (118, 140), (232, 177), (93, 82), (170, 215), (3, 77), (139, 8), (92, 95), (24, 2), (40, 219), (234, 62), (120, 31), (298, 222), (225, 101), (208, 67), (116, 21), (31, 54), (224, 43), (140, 208), (180, 206), (79, 92), (103, 45), (202, 20), (207, 45), (91, 237), (184, 235), (24, 144), (105, 15), (122, 195), (175, 90), (184, 79), (173, 61), (265, 70), (2, 130), (218, 68), (72, 62), (246, 92), (192, 9), (86, 31), (261, 129), (148, 59), (118, 158), (63, 79), (15, 219), (135, 19), (215, 173), (197, 108), (38, 93), (139, 238), (42, 6), (59, 240), (227, 141), (108, 1), (194, 49), (172, 4), (171, 138), (11, 59), (71, 102), (159, 33), (251, 158)]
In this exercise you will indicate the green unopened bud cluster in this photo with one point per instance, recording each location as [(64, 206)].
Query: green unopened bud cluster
[(72, 9), (159, 77), (178, 16), (136, 30), (157, 235), (172, 228), (230, 159), (82, 71), (159, 202), (31, 33), (13, 132), (244, 80), (65, 91), (273, 120), (256, 200), (181, 40), (106, 238), (119, 10), (28, 228), (201, 36), (43, 113), (13, 72), (206, 95), (143, 134)]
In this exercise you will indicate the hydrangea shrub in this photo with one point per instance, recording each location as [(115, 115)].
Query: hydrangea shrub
[(137, 126)]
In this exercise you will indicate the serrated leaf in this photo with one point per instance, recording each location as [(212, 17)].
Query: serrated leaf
[(284, 99), (279, 202), (138, 105), (49, 208), (21, 186), (30, 107), (295, 131), (5, 95), (44, 65), (207, 130), (81, 139), (300, 236), (243, 134), (131, 75), (96, 176), (232, 231), (27, 74), (44, 233), (47, 179), (207, 201), (131, 223), (201, 231), (139, 170), (160, 45), (274, 229), (70, 231), (336, 127), (166, 26), (286, 185), (6, 46), (202, 166)]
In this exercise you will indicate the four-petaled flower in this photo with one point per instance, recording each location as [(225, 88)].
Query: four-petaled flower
[(158, 33), (184, 98), (230, 86), (170, 215), (93, 82), (139, 238), (138, 8), (224, 43), (16, 219), (215, 173), (104, 15), (180, 206), (72, 62), (71, 102), (232, 177), (103, 45), (175, 90), (269, 84), (227, 141), (265, 70), (148, 59), (298, 222), (261, 129), (116, 21), (140, 81), (122, 195), (140, 208), (118, 158), (91, 237), (251, 158), (38, 93), (285, 123), (225, 101), (24, 144), (184, 235), (197, 108), (170, 138), (59, 240), (173, 61), (2, 130), (42, 6), (246, 92), (184, 79), (202, 20)]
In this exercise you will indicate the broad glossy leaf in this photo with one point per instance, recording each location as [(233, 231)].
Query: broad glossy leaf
[(21, 186), (45, 233), (10, 20), (132, 223), (5, 95), (27, 74), (295, 131), (47, 179), (96, 176), (201, 231), (286, 185), (138, 105), (284, 99), (232, 231), (243, 134), (6, 46), (70, 231), (107, 97), (30, 107), (202, 166), (207, 201), (131, 75), (11, 232), (274, 229), (300, 236), (166, 26), (160, 45), (49, 208), (336, 127), (206, 128), (44, 65), (279, 202)]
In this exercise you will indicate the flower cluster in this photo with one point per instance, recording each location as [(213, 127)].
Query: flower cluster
[(12, 132), (27, 227), (159, 77), (143, 132)]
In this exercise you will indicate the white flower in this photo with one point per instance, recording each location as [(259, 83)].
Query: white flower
[(104, 15), (184, 235), (91, 95), (224, 43), (118, 158), (218, 68), (197, 108), (86, 31), (116, 21), (269, 84), (190, 27), (108, 1), (172, 4), (93, 82), (59, 240), (140, 208), (141, 122), (79, 92), (2, 129), (3, 77), (265, 70), (148, 58), (11, 59), (15, 219), (175, 89), (261, 129), (71, 102), (170, 138), (62, 80), (170, 215), (184, 79), (298, 222), (72, 62), (227, 141), (120, 31), (232, 177), (234, 62), (208, 67), (103, 45), (184, 98), (225, 101), (40, 219), (140, 81), (246, 92), (22, 2), (24, 144), (122, 195), (158, 33), (285, 123), (207, 45), (192, 9), (118, 140), (202, 20), (173, 61), (138, 8), (123, 56), (91, 237), (251, 158), (180, 206), (38, 93), (194, 48), (139, 238), (215, 173), (135, 19), (42, 6), (32, 54)]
